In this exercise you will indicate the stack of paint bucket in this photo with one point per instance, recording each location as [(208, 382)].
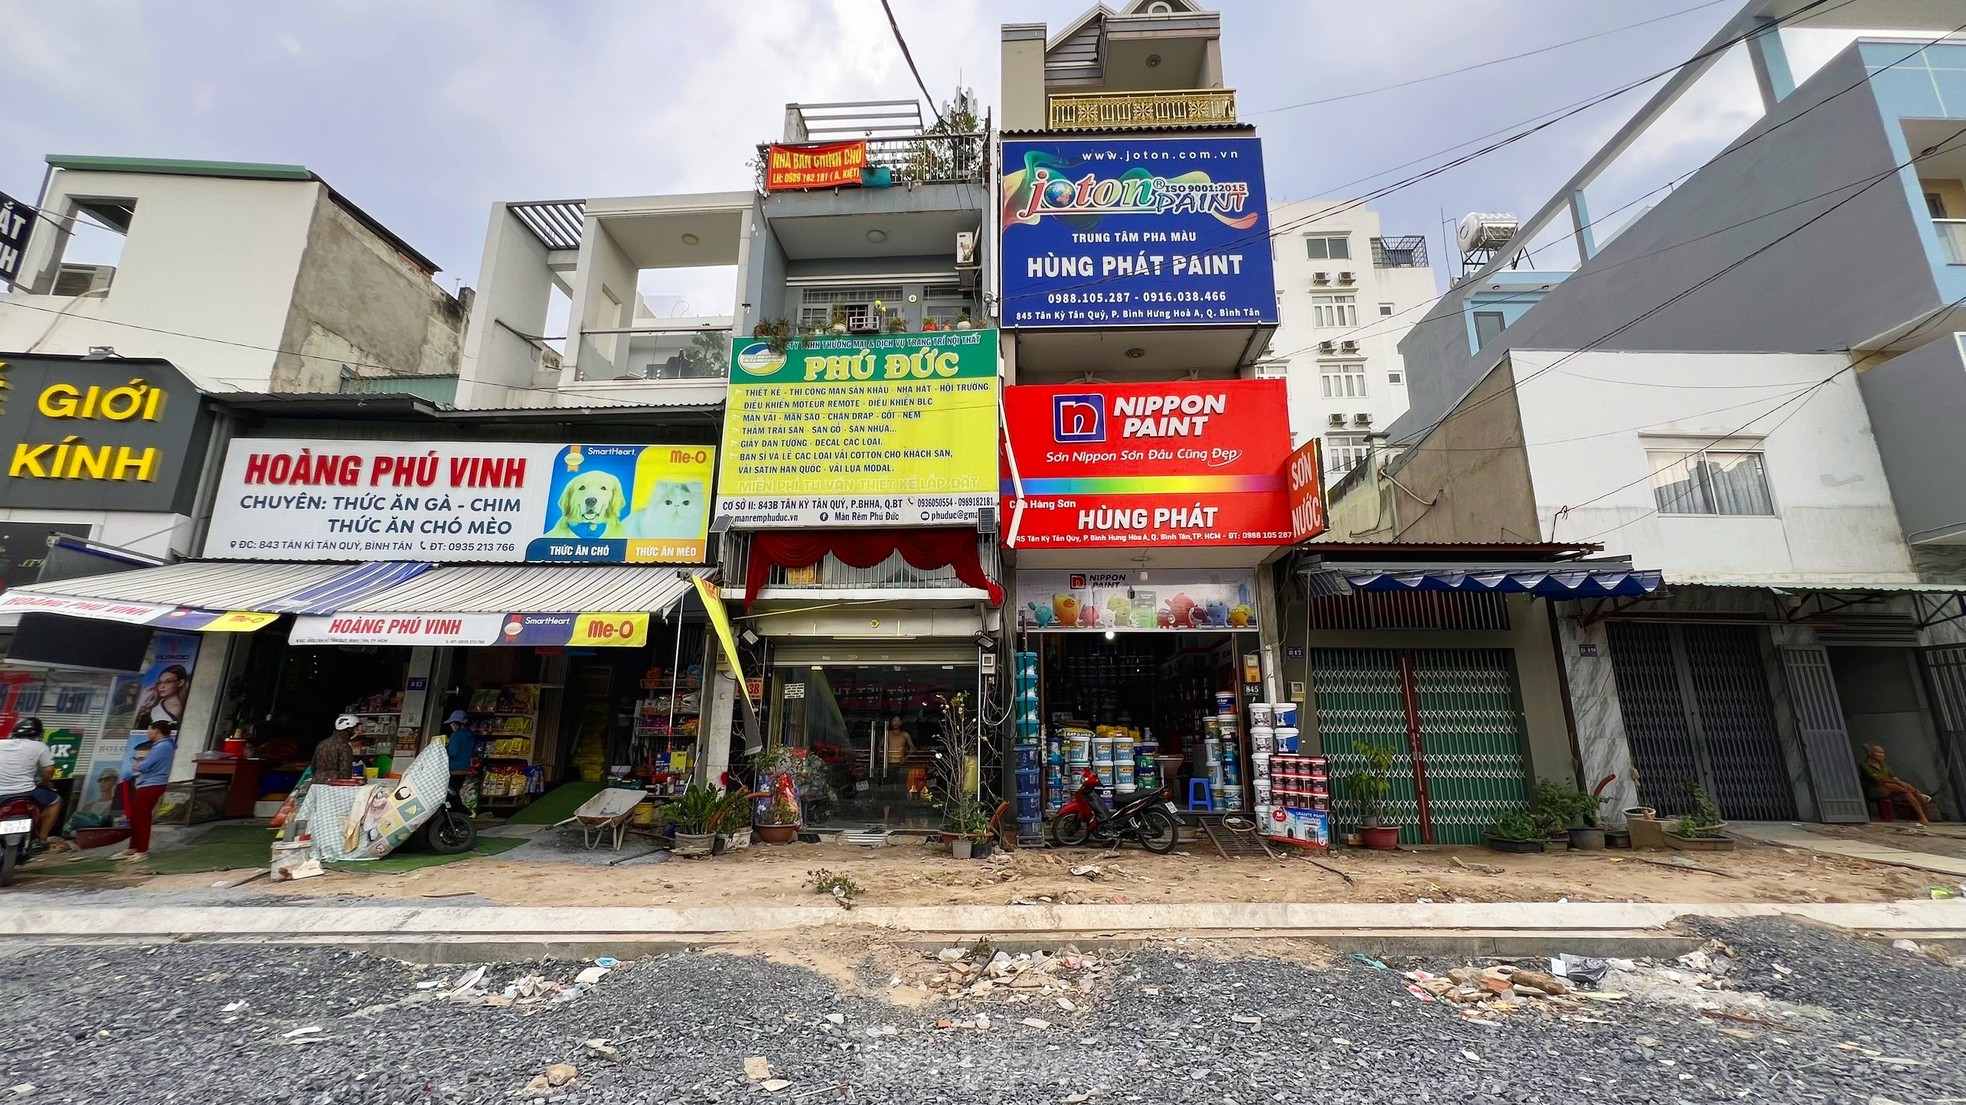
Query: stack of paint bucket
[(1124, 771), (1225, 760), (1030, 752), (1077, 742), (1102, 760), (1146, 762)]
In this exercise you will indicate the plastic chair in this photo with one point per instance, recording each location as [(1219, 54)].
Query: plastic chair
[(1200, 796)]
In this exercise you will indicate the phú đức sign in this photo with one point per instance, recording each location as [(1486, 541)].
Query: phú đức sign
[(874, 430)]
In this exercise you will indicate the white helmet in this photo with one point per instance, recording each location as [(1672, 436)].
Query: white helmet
[(346, 722)]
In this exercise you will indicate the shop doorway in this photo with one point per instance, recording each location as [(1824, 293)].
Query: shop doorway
[(1453, 720), (877, 732), (310, 687), (1698, 714)]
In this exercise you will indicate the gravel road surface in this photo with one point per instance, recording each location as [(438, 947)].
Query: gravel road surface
[(1858, 1022)]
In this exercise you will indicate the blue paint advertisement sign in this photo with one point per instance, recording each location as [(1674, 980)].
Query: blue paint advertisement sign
[(1136, 232)]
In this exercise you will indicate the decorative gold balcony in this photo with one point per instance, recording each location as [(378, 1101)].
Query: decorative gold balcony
[(1143, 110)]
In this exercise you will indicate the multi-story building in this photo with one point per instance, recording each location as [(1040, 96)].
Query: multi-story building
[(1346, 295), (1751, 390)]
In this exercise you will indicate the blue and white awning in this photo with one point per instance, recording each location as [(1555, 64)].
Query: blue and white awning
[(1602, 578), (203, 594)]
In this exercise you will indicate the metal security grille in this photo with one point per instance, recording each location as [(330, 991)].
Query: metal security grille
[(1411, 610), (1945, 674), (1452, 719), (1697, 713), (1472, 731)]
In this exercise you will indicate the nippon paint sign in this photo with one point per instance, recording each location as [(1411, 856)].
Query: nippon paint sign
[(310, 499)]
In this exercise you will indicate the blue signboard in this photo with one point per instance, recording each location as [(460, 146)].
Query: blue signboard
[(1136, 232)]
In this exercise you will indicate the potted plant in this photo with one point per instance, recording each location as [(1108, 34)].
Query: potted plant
[(776, 333), (1569, 813), (692, 814), (963, 320), (972, 836), (1699, 828), (1515, 832), (897, 325), (957, 793), (837, 322), (732, 818), (1369, 787)]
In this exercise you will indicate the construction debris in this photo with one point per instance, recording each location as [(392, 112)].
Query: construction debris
[(997, 976)]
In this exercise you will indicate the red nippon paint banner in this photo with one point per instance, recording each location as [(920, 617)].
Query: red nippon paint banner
[(1173, 464)]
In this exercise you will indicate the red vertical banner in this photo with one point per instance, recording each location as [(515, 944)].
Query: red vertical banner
[(1304, 486)]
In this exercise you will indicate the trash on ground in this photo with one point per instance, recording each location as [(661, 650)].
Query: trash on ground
[(757, 1068)]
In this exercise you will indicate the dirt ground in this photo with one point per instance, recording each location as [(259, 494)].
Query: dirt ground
[(918, 874), (1941, 839)]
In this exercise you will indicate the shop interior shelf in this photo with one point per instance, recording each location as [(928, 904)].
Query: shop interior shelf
[(391, 713)]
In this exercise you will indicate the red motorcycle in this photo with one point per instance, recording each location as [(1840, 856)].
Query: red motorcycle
[(1150, 818)]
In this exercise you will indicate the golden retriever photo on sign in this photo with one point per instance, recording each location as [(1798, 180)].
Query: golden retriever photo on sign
[(592, 494)]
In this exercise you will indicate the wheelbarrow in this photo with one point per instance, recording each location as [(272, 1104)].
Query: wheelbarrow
[(604, 814)]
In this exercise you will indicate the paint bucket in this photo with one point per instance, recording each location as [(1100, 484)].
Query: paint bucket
[(1260, 714), (1029, 807), (1262, 738), (1260, 787), (1102, 750), (1211, 726), (1229, 798), (1265, 813), (1029, 757), (1286, 714), (1123, 774), (1027, 780), (1286, 739), (1225, 702), (1228, 725), (1078, 747), (1259, 765)]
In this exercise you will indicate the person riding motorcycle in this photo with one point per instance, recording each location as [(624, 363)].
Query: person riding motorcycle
[(27, 770)]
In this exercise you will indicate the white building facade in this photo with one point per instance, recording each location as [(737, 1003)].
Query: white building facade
[(1346, 295)]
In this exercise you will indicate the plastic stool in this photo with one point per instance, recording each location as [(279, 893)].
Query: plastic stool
[(1206, 799)]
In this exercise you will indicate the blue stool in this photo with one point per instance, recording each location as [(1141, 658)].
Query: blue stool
[(1200, 797)]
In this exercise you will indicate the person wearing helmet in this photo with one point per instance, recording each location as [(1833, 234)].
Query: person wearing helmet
[(147, 783), (334, 757), (460, 742), (27, 768)]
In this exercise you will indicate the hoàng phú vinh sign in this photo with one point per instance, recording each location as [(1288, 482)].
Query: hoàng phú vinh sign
[(874, 430), (1182, 463), (794, 168)]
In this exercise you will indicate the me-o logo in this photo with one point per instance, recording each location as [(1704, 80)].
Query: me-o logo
[(1078, 418)]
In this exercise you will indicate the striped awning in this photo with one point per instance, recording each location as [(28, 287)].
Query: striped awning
[(1599, 577), (201, 594), (535, 588)]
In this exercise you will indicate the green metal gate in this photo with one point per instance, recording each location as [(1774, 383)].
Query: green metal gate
[(1451, 717)]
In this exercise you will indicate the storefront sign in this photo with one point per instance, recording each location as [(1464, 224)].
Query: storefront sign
[(881, 430), (1304, 477), (1136, 232), (1123, 601), (793, 168), (135, 613), (622, 630), (98, 435), (299, 499), (1168, 465), (17, 221)]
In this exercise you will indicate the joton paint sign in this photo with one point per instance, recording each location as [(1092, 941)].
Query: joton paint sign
[(1174, 464), (461, 502)]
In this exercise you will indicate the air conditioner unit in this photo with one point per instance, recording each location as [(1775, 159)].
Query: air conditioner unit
[(1347, 278), (1327, 347), (965, 248), (1348, 346), (1320, 278), (1337, 420), (83, 279), (1361, 420)]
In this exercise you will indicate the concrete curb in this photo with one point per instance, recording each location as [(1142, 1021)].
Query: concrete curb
[(463, 933)]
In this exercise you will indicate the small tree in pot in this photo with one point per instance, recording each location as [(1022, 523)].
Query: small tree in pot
[(1369, 786)]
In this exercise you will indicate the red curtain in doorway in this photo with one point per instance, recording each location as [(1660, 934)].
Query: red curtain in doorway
[(923, 548)]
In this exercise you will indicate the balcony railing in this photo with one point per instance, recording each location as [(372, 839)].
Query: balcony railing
[(1409, 252), (654, 353), (830, 574), (1142, 110), (918, 159), (1953, 233)]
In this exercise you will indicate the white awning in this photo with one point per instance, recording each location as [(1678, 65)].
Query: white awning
[(210, 595), (533, 588)]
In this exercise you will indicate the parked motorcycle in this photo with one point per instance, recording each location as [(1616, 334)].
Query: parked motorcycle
[(1150, 818), (18, 816), (449, 831)]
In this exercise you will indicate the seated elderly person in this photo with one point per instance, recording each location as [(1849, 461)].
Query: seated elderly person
[(1882, 785)]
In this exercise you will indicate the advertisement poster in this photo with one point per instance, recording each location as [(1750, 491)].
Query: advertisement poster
[(165, 680), (617, 630), (1135, 601), (1136, 232), (1304, 477), (874, 430), (794, 168), (291, 499), (1184, 463)]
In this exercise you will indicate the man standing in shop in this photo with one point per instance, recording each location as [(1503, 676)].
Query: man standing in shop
[(462, 745)]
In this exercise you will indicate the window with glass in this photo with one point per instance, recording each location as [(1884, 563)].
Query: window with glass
[(878, 737), (1343, 381), (1385, 310), (1329, 247), (1396, 379), (945, 305), (1709, 482), (1329, 311), (1488, 326), (1343, 452), (817, 305)]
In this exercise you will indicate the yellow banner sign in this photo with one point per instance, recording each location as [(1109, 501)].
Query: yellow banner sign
[(239, 621), (610, 631)]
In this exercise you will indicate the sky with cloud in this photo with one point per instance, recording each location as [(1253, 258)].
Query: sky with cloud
[(425, 112)]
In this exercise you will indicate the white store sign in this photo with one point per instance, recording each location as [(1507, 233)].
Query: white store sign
[(306, 499), (461, 630)]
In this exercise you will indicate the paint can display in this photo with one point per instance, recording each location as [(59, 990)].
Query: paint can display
[(1261, 714), (1259, 765), (1286, 741), (1225, 702), (1286, 714), (1260, 787), (1262, 738), (1229, 798), (1123, 775)]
